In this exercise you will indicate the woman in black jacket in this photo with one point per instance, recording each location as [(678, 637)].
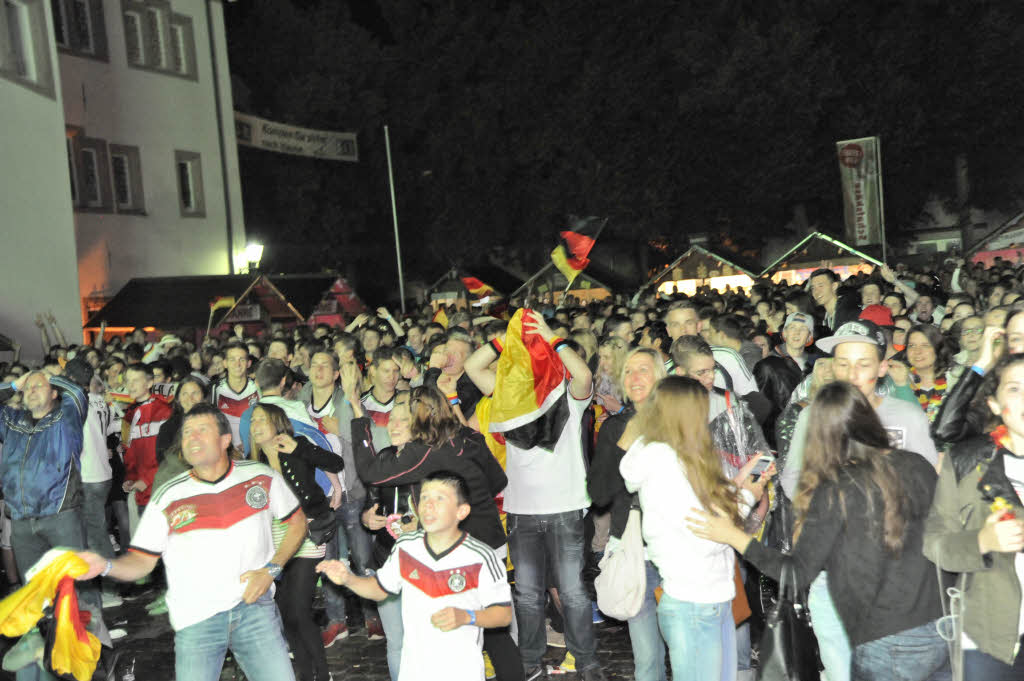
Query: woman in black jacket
[(296, 459), (860, 516), (440, 442)]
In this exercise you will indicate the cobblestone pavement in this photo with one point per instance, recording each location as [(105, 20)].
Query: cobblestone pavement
[(149, 645)]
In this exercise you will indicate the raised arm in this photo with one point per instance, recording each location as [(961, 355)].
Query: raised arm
[(382, 312), (57, 333), (44, 337), (581, 380), (478, 367)]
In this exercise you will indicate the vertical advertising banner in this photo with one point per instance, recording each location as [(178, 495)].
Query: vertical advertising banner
[(860, 169)]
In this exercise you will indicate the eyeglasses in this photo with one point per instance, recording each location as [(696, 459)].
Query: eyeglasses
[(972, 332)]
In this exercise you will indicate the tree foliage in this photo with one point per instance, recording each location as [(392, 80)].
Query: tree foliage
[(671, 118)]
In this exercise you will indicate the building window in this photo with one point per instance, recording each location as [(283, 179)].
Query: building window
[(79, 28), (60, 23), (82, 26), (126, 172), (179, 60), (190, 184), (25, 45), (18, 57), (92, 196), (72, 170), (93, 192), (133, 38), (158, 39), (154, 33)]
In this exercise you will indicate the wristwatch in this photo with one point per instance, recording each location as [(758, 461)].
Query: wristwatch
[(274, 569)]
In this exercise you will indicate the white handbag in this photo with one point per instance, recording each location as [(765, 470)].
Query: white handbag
[(622, 584)]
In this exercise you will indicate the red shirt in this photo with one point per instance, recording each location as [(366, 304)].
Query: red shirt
[(140, 454)]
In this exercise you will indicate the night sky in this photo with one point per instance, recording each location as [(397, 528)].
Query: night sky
[(669, 118)]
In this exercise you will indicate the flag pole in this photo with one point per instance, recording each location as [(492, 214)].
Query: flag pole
[(881, 197), (394, 216)]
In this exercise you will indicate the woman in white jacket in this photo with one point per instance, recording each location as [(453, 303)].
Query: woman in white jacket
[(670, 461)]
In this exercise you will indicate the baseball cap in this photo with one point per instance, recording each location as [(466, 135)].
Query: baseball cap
[(879, 314), (800, 318), (862, 331)]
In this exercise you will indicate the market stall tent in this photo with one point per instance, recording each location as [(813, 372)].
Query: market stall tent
[(697, 267), (181, 304), (819, 250)]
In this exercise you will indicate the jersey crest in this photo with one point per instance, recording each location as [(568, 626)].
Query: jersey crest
[(438, 583)]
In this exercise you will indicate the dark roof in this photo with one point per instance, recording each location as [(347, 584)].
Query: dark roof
[(184, 302)]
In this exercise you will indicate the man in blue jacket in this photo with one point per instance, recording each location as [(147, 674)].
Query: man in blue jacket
[(40, 472)]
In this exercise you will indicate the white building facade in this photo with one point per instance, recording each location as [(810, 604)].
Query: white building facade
[(136, 93)]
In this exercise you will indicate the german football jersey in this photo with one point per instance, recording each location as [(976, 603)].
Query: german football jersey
[(233, 404), (467, 576), (210, 533), (377, 411)]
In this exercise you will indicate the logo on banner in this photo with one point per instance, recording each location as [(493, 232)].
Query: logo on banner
[(851, 155)]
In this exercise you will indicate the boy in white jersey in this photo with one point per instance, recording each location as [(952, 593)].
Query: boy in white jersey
[(452, 586)]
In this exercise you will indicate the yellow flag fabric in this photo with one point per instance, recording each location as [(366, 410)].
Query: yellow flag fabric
[(75, 651), (221, 302), (561, 260), (441, 317), (495, 442), (530, 378)]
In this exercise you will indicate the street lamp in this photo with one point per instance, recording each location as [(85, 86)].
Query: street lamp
[(253, 255)]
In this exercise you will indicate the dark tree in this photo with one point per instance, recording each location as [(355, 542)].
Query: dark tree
[(669, 117)]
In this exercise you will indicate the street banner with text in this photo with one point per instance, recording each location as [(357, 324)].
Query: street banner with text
[(860, 163), (253, 131)]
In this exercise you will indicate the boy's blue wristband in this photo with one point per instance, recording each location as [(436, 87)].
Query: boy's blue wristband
[(472, 617), (978, 370)]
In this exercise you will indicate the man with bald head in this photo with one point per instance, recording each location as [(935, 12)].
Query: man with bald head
[(40, 472)]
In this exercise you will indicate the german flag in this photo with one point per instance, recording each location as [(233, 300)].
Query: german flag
[(221, 301), (477, 287), (530, 406), (570, 255), (441, 317)]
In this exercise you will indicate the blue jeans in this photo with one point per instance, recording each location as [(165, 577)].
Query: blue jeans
[(917, 654), (833, 644), (555, 541), (701, 639), (390, 611), (94, 512), (251, 631), (645, 636), (979, 666), (350, 540)]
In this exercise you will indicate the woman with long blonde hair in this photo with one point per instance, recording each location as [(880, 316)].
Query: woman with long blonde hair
[(670, 461)]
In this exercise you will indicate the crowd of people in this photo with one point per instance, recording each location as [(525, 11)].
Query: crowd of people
[(386, 464)]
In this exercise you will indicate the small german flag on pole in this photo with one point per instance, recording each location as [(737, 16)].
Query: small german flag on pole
[(221, 302), (570, 255), (477, 287)]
